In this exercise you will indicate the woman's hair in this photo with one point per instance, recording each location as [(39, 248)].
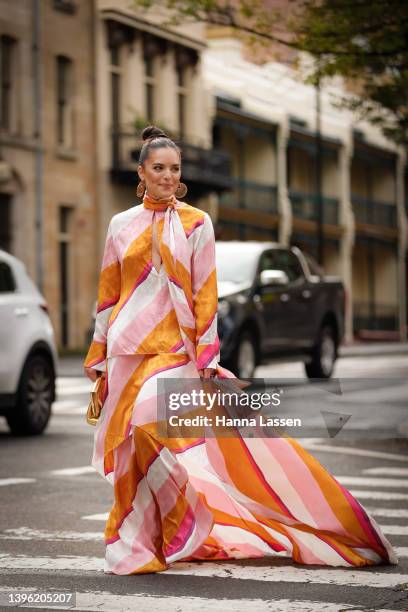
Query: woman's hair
[(154, 138)]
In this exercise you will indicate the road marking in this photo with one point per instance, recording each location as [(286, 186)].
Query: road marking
[(388, 512), (346, 450), (68, 407), (364, 481), (96, 517), (373, 395), (106, 602), (395, 529), (382, 495), (26, 533), (79, 389), (72, 562), (301, 574), (10, 481), (386, 471), (349, 577), (67, 381), (86, 469)]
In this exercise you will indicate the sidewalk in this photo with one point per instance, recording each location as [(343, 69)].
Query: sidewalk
[(373, 348), (71, 365)]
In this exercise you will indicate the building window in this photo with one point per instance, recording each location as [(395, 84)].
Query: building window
[(65, 6), (65, 234), (181, 99), (116, 76), (150, 85), (8, 76), (65, 95), (5, 222)]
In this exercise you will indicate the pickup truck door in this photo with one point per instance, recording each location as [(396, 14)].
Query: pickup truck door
[(287, 309), (271, 302), (298, 299)]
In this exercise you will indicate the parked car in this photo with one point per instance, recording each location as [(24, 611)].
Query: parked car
[(28, 354), (275, 303)]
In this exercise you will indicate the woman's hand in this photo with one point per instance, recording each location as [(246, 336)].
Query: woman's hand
[(93, 374), (207, 373)]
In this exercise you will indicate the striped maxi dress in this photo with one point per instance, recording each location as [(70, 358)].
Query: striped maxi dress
[(203, 498)]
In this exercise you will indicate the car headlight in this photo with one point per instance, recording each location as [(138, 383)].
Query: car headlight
[(223, 308)]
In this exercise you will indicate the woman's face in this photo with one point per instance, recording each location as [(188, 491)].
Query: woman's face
[(161, 172)]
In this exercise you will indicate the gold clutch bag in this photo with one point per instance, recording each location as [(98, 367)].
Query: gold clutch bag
[(96, 401)]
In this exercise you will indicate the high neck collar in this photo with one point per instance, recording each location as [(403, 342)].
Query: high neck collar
[(161, 204)]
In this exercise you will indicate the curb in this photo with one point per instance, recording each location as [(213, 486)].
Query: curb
[(357, 350)]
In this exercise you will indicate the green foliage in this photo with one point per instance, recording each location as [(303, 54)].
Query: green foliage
[(364, 40), (361, 40)]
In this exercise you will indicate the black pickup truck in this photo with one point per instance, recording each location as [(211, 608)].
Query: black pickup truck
[(274, 302)]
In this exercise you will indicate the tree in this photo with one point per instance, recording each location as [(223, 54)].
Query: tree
[(364, 41)]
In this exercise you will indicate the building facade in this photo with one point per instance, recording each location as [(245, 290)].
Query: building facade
[(48, 196), (71, 120), (265, 117)]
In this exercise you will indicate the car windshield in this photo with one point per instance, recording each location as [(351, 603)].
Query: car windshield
[(235, 264)]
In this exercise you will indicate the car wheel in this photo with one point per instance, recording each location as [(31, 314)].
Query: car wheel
[(245, 356), (324, 355), (34, 397)]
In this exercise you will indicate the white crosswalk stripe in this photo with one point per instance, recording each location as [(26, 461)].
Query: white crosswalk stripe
[(355, 452), (365, 481), (386, 471), (326, 575), (68, 407), (85, 469), (395, 530), (11, 481), (388, 512), (105, 602), (382, 495), (29, 534)]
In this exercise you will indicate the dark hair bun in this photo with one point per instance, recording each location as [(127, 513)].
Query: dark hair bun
[(151, 131)]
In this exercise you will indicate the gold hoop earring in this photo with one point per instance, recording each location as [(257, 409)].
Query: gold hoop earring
[(181, 190), (141, 188)]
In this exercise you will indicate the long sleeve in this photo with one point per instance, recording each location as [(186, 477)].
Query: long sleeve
[(205, 295), (108, 296)]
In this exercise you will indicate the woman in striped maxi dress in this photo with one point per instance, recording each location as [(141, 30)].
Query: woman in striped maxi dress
[(207, 498)]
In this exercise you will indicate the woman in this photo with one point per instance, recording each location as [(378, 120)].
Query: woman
[(205, 497)]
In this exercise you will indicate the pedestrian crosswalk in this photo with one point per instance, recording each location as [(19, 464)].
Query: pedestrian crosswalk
[(277, 571), (105, 602), (71, 549)]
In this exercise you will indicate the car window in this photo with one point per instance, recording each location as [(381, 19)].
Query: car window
[(279, 259), (7, 283), (267, 261)]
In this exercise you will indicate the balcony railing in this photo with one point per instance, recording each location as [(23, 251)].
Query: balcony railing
[(205, 166), (375, 316), (251, 196), (374, 212), (305, 206)]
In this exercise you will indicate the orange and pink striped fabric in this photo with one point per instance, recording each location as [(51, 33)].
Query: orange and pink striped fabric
[(179, 499)]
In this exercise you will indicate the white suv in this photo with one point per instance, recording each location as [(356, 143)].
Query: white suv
[(28, 353)]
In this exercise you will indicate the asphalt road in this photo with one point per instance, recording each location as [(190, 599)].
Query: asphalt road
[(54, 507)]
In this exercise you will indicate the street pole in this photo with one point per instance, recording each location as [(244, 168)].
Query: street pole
[(318, 177)]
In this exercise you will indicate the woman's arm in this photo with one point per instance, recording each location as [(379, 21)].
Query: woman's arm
[(205, 296), (108, 296)]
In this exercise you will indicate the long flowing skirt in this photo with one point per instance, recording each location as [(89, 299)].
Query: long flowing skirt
[(216, 498)]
